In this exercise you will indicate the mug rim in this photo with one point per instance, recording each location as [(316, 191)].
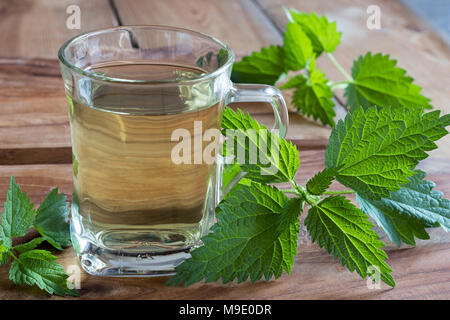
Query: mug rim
[(204, 76)]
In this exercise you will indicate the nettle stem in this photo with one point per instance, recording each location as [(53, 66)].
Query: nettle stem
[(13, 255), (340, 192), (289, 191), (339, 67), (339, 85), (301, 192), (312, 200), (296, 189), (287, 13)]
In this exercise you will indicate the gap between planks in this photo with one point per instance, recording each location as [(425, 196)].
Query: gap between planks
[(115, 13)]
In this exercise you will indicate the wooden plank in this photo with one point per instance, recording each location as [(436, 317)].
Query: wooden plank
[(34, 123), (237, 22), (417, 48), (37, 180), (421, 273), (38, 28)]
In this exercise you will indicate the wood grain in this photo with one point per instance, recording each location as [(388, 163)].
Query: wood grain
[(37, 180), (315, 275), (237, 22), (34, 125), (421, 273), (37, 28), (407, 39)]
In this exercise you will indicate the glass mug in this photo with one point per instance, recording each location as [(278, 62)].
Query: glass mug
[(135, 209)]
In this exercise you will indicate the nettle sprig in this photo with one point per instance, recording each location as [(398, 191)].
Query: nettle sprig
[(28, 265), (373, 152), (375, 79)]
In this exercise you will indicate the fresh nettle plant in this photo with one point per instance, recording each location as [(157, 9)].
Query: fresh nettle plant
[(375, 78), (373, 152), (28, 265)]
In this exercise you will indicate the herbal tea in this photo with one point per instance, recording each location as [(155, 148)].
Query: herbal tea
[(129, 194), (146, 108)]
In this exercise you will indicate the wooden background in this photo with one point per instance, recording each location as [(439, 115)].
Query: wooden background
[(35, 137)]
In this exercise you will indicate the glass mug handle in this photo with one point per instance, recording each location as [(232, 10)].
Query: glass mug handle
[(258, 93)]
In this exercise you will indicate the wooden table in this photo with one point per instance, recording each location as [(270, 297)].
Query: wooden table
[(35, 137)]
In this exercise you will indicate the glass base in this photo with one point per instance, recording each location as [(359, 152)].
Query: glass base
[(104, 262), (124, 253)]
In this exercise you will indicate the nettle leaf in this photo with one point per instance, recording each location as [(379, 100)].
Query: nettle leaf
[(313, 96), (265, 66), (28, 245), (286, 246), (18, 214), (297, 47), (318, 184), (322, 33), (344, 231), (222, 57), (398, 228), (38, 267), (5, 257), (377, 149), (379, 82), (250, 239), (229, 173), (52, 220), (294, 82), (261, 153), (407, 212)]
